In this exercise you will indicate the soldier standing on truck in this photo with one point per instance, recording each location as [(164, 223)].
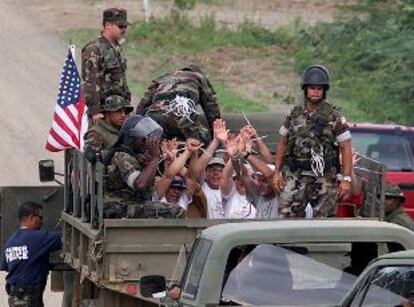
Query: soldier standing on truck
[(104, 65), (307, 153), (172, 99), (26, 257), (105, 133), (131, 166)]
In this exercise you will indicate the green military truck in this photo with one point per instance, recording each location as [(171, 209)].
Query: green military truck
[(110, 256), (292, 263)]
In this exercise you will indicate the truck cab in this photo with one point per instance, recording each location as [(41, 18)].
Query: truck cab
[(283, 263)]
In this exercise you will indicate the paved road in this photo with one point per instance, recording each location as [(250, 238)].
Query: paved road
[(30, 61)]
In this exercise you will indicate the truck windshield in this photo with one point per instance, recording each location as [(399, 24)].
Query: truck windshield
[(389, 286), (274, 275), (391, 149)]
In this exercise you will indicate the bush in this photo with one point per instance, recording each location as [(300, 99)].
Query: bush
[(370, 59)]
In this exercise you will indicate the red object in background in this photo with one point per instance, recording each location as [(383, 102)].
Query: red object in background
[(347, 207), (393, 146), (405, 180)]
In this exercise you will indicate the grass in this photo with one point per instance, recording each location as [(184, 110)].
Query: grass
[(178, 35), (370, 59), (161, 39)]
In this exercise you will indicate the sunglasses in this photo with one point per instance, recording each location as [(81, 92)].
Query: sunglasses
[(39, 216), (122, 27)]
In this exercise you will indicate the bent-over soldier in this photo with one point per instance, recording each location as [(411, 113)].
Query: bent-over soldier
[(172, 101)]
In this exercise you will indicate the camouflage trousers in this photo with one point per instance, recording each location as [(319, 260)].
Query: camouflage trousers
[(299, 190), (145, 210), (181, 128)]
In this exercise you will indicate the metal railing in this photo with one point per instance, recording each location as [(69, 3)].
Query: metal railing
[(83, 188)]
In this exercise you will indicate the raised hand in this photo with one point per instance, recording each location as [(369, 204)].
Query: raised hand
[(232, 146), (169, 149), (154, 146), (193, 145), (246, 143), (249, 132), (220, 130)]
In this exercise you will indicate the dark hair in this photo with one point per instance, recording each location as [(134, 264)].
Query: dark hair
[(27, 209)]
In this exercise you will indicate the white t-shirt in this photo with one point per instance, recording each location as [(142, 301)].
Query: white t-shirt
[(237, 205), (215, 207), (266, 208), (183, 202)]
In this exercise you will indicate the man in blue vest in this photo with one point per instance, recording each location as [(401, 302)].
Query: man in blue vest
[(26, 257)]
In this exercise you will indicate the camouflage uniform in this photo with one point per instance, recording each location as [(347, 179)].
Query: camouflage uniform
[(192, 84), (101, 136), (104, 67), (397, 215), (121, 198), (325, 127)]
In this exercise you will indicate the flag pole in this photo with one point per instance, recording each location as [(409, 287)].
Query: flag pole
[(72, 49)]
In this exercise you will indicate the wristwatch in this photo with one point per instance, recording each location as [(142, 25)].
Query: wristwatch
[(347, 179)]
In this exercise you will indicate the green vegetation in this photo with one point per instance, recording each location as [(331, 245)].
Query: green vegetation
[(178, 35), (175, 35), (371, 60), (369, 55)]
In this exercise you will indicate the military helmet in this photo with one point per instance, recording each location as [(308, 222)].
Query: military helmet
[(392, 190), (138, 126), (115, 102), (315, 75)]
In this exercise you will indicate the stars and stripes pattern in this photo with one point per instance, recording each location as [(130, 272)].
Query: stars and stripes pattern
[(69, 120)]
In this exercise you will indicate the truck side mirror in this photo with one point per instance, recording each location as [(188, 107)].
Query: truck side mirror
[(153, 286), (46, 170)]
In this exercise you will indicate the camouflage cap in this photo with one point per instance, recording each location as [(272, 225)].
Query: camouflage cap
[(115, 15), (393, 190), (114, 103)]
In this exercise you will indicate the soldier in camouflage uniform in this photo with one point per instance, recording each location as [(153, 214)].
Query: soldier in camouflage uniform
[(104, 65), (394, 200), (172, 99), (105, 133), (307, 154), (131, 165)]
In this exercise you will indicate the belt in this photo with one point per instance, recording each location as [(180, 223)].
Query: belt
[(20, 291)]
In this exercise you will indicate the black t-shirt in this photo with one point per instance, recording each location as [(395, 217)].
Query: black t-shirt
[(26, 256)]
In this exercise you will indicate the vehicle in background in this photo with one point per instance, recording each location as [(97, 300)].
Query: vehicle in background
[(393, 146), (387, 281)]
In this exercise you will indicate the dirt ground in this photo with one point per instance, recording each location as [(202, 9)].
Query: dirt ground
[(61, 15)]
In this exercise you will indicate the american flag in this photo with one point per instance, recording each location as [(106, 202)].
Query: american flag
[(69, 121)]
